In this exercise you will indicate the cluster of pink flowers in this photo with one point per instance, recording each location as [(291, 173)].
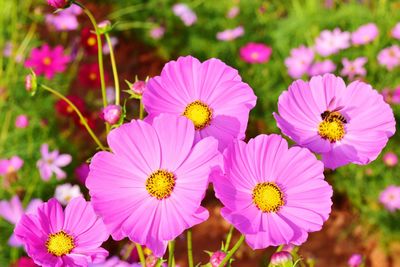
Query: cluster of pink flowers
[(65, 20), (185, 13)]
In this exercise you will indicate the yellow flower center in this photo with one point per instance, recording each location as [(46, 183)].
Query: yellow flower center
[(199, 113), (60, 244), (47, 61), (160, 184), (332, 126), (92, 76), (10, 169), (254, 55), (268, 197), (91, 41)]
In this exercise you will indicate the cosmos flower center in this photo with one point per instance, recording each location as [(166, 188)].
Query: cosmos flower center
[(60, 244), (91, 41), (160, 184), (10, 169), (92, 76), (47, 61), (268, 197), (254, 55), (199, 113), (332, 127)]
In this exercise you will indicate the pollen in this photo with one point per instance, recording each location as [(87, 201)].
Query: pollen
[(254, 55), (268, 197), (331, 129), (199, 113), (92, 76), (60, 244), (91, 41), (47, 61), (160, 184)]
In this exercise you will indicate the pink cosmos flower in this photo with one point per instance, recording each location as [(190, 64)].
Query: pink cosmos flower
[(21, 121), (390, 159), (390, 198), (390, 57), (365, 34), (185, 13), (12, 165), (331, 42), (47, 61), (299, 61), (272, 194), (211, 94), (255, 53), (230, 34), (355, 260), (24, 262), (151, 186), (322, 67), (64, 20), (157, 32), (51, 162), (344, 124), (12, 211), (396, 31), (391, 96), (111, 114), (55, 238), (58, 3), (354, 68)]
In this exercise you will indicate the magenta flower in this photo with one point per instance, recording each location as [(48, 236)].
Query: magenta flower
[(344, 124), (12, 211), (47, 61), (58, 3), (62, 21), (365, 34), (390, 159), (12, 165), (81, 172), (151, 187), (355, 260), (390, 57), (211, 94), (255, 53), (322, 67), (21, 121), (396, 31), (230, 34), (111, 114), (55, 238), (299, 61), (390, 198), (51, 162), (186, 14), (272, 194), (157, 32), (331, 42), (354, 68)]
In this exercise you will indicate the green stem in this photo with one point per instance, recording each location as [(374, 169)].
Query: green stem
[(159, 262), (141, 255), (100, 56), (114, 69), (189, 247), (171, 258), (83, 120), (141, 110), (232, 251), (229, 238)]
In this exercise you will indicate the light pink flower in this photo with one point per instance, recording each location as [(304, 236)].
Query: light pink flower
[(12, 211), (299, 61), (391, 96), (396, 31), (322, 67), (354, 68), (47, 61), (390, 198), (390, 159), (255, 53), (185, 13), (233, 12), (389, 57), (51, 162), (365, 34), (157, 32), (355, 260), (230, 34), (12, 165), (331, 42), (22, 121), (63, 21)]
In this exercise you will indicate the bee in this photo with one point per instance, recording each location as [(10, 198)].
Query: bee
[(330, 115)]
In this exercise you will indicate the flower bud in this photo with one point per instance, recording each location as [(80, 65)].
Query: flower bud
[(216, 258), (281, 258), (31, 83), (104, 26), (111, 114), (355, 260), (390, 159), (22, 121), (59, 3), (138, 87)]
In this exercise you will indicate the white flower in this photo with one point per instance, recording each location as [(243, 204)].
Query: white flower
[(66, 192)]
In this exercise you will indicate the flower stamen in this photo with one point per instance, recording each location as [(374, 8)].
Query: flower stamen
[(60, 244), (160, 184), (199, 113), (268, 197)]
